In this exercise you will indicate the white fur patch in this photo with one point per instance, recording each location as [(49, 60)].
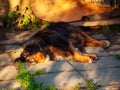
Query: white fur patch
[(91, 60), (47, 58), (106, 42)]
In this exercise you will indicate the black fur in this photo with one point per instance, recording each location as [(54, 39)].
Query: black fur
[(60, 35)]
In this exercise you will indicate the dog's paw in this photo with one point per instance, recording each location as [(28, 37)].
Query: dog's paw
[(107, 43), (93, 58)]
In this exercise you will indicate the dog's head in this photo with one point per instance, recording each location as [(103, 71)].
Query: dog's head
[(32, 53)]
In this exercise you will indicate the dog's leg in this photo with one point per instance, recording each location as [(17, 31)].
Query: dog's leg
[(89, 41), (80, 57)]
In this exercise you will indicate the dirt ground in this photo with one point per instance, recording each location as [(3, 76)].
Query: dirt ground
[(2, 37)]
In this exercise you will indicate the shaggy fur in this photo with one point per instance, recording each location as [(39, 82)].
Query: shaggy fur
[(59, 41)]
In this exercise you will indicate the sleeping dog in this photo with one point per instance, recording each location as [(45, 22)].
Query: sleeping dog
[(60, 41)]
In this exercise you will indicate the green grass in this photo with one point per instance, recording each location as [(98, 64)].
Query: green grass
[(26, 20), (118, 56), (105, 28), (90, 85), (78, 86), (27, 81), (49, 87)]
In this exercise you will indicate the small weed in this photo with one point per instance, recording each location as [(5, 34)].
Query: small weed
[(10, 20), (49, 87), (45, 24), (118, 56), (91, 85), (26, 78), (38, 72), (106, 28), (78, 86), (24, 20)]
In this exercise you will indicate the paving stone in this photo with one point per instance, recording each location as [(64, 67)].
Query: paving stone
[(8, 73), (9, 85), (19, 35), (14, 51), (11, 41), (114, 47), (112, 87), (96, 50), (103, 76), (10, 35), (61, 80), (99, 36), (115, 40), (18, 38), (102, 63), (5, 60), (15, 48), (51, 66), (115, 52)]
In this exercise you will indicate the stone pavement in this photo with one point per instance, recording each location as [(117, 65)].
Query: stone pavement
[(62, 74)]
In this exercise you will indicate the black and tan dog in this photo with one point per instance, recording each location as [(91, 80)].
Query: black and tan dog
[(59, 41)]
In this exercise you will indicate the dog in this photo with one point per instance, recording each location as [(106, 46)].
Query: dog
[(60, 41)]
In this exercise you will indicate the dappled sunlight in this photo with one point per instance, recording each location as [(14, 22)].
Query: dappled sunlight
[(69, 10), (96, 22), (8, 73), (49, 8), (13, 4)]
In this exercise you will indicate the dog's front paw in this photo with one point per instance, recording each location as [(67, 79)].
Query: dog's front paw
[(93, 57)]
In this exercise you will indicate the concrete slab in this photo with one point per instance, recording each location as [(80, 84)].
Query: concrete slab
[(114, 47), (18, 38), (5, 60), (115, 52), (8, 73), (111, 87), (96, 50), (99, 36), (10, 35), (103, 76), (9, 85), (102, 63), (115, 40), (14, 51), (112, 50), (51, 66), (14, 48), (18, 35), (61, 80), (11, 41)]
